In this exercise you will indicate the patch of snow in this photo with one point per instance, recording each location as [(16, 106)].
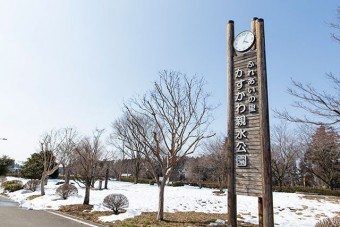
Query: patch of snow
[(289, 209)]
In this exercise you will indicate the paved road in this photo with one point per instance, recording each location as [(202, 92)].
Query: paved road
[(13, 216)]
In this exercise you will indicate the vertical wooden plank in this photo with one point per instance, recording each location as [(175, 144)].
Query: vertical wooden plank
[(246, 184), (253, 30), (260, 203), (267, 195), (232, 213), (260, 210)]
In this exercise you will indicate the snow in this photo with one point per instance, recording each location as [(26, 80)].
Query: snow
[(290, 209)]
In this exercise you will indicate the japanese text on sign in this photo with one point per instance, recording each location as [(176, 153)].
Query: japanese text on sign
[(245, 105)]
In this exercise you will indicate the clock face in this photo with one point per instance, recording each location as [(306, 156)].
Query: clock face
[(244, 41)]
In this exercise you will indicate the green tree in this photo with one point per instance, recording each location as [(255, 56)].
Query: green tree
[(5, 163), (34, 167)]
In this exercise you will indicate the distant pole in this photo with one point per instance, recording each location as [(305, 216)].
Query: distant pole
[(267, 195), (232, 216)]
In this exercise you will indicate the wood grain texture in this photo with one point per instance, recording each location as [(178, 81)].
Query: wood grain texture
[(267, 195), (232, 204), (249, 178)]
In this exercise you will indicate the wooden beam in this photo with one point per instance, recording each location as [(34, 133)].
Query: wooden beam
[(253, 30), (232, 208), (267, 195), (260, 210)]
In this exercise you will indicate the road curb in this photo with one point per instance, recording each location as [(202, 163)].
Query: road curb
[(74, 218)]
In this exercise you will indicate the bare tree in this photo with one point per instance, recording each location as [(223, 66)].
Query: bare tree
[(217, 155), (116, 202), (88, 153), (66, 150), (122, 140), (50, 144), (336, 25), (285, 153), (170, 121), (323, 107), (199, 169), (322, 157)]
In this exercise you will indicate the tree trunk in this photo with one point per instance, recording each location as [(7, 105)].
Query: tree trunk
[(291, 180), (66, 175), (87, 193), (136, 179), (42, 184), (137, 171), (220, 182), (106, 178), (100, 184), (331, 184), (160, 214), (280, 181)]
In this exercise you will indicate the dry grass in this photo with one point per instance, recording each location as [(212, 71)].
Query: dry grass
[(178, 219), (31, 197), (83, 212), (321, 198), (329, 222)]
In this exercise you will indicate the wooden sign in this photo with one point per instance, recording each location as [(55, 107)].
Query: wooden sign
[(247, 146), (249, 158)]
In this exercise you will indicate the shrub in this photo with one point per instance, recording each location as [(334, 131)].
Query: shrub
[(66, 190), (5, 183), (2, 179), (329, 222), (319, 191), (205, 184), (32, 185), (12, 185), (116, 202), (140, 180), (176, 184)]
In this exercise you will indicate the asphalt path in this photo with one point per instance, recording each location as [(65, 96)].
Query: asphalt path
[(11, 215)]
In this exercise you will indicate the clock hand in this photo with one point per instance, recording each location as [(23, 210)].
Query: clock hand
[(244, 40)]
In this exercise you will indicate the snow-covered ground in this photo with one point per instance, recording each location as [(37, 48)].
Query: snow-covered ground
[(290, 209)]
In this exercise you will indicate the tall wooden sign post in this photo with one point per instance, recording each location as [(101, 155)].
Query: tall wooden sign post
[(249, 157)]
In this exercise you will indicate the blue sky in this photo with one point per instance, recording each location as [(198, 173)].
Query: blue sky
[(73, 63)]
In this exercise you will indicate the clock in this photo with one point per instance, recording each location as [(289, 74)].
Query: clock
[(244, 41)]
